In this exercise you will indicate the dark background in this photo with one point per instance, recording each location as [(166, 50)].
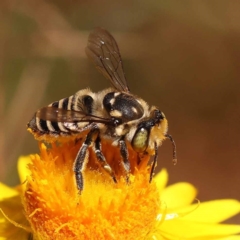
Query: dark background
[(182, 56)]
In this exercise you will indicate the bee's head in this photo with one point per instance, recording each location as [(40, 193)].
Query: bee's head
[(149, 132)]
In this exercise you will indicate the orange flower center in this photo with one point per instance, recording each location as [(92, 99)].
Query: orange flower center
[(104, 210)]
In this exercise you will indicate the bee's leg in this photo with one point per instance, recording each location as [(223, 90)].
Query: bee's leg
[(124, 155), (81, 160), (154, 161), (102, 160)]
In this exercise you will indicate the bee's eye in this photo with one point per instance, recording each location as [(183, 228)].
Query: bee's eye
[(140, 140)]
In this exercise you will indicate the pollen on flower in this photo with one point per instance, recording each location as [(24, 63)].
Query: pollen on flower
[(104, 210)]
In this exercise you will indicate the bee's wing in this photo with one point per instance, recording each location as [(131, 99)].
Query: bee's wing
[(54, 114), (103, 50)]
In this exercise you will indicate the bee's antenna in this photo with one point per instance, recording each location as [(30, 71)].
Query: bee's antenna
[(174, 148)]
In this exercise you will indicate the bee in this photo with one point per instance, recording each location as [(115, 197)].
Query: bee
[(113, 114)]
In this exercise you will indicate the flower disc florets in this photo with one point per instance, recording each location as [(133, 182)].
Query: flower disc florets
[(104, 209)]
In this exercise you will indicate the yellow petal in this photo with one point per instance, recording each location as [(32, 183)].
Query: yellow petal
[(161, 179), (14, 233), (195, 230), (178, 195), (7, 192), (213, 211), (23, 170), (13, 223), (229, 238)]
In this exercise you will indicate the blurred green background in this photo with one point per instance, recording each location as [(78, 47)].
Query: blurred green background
[(182, 56)]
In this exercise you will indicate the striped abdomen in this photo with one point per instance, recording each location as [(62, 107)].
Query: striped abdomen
[(53, 120)]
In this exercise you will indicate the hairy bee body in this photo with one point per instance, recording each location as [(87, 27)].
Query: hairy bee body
[(113, 114), (124, 110), (44, 123)]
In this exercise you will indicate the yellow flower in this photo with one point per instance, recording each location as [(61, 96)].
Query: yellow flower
[(48, 206)]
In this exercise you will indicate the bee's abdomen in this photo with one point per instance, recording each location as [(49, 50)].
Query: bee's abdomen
[(46, 121), (42, 126), (47, 127)]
